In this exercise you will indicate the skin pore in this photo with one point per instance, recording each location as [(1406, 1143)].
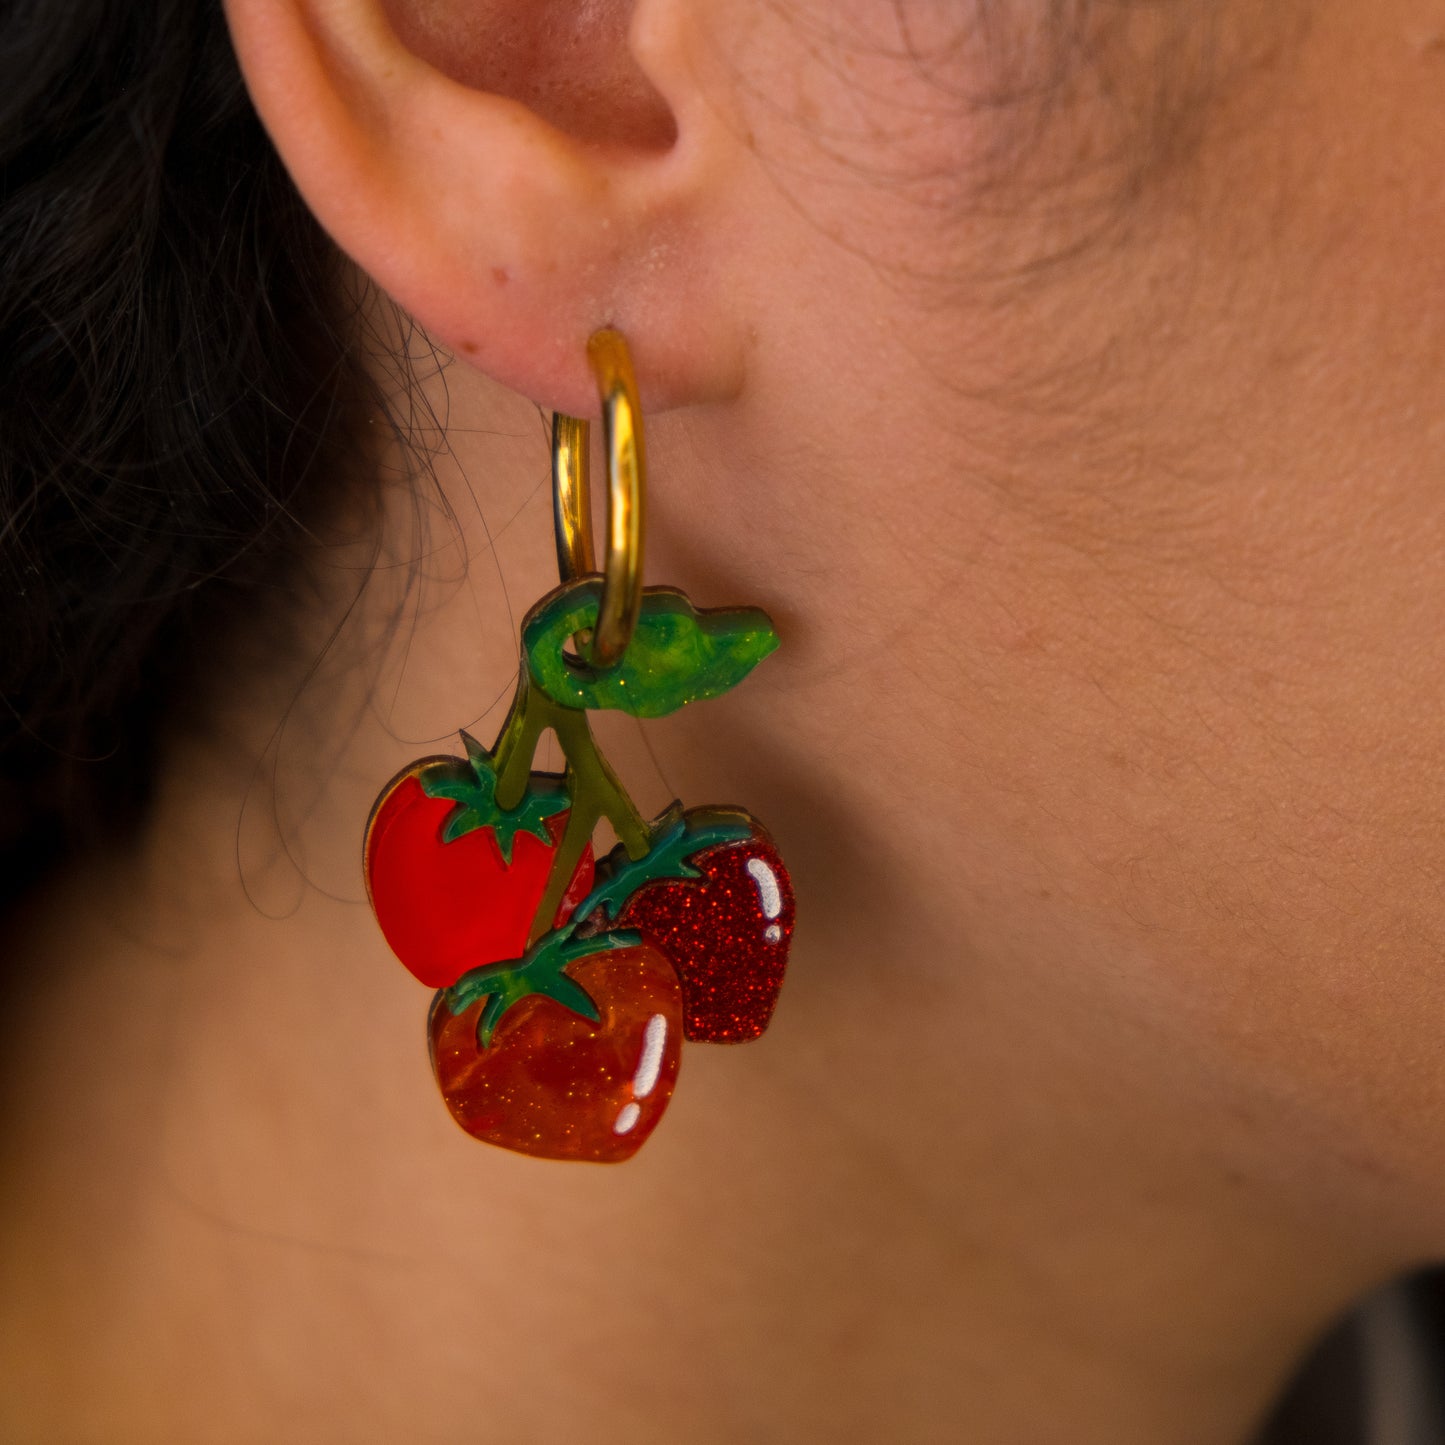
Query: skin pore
[(1103, 745)]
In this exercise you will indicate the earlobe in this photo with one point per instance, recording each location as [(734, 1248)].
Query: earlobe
[(510, 198)]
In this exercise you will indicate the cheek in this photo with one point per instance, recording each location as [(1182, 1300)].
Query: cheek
[(1223, 816)]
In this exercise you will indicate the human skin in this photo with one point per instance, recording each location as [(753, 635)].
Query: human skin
[(1098, 506)]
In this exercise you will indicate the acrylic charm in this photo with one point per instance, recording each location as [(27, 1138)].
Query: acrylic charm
[(567, 984)]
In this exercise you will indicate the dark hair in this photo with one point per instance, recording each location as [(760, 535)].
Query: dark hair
[(181, 394)]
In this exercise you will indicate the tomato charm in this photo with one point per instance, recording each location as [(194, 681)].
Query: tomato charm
[(447, 905), (727, 932), (555, 1084)]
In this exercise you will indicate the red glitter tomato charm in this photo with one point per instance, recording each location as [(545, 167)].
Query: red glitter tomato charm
[(727, 933)]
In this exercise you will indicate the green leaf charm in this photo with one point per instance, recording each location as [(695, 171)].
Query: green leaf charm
[(677, 655), (472, 786)]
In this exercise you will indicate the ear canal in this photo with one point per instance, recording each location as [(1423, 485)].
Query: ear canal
[(569, 64)]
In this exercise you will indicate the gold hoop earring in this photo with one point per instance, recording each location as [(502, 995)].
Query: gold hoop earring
[(626, 450), (566, 984)]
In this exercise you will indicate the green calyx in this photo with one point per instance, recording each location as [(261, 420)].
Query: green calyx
[(542, 971), (472, 785), (677, 838), (677, 654)]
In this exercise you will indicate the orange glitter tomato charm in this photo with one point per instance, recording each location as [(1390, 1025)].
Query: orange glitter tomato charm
[(557, 1085)]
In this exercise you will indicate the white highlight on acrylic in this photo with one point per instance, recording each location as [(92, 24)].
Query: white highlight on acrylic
[(649, 1066), (772, 934), (768, 890)]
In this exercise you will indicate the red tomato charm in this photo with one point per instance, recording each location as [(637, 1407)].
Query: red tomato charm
[(555, 1085), (446, 907), (727, 934)]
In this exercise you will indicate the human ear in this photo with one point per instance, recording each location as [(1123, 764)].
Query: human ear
[(515, 174)]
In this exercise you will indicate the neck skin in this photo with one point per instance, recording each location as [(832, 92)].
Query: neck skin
[(988, 1177)]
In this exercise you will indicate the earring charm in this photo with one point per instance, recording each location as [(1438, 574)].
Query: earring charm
[(566, 984)]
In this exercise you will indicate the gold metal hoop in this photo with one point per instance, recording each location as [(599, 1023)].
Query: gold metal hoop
[(571, 510)]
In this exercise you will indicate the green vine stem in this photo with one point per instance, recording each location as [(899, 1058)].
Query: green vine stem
[(592, 786)]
